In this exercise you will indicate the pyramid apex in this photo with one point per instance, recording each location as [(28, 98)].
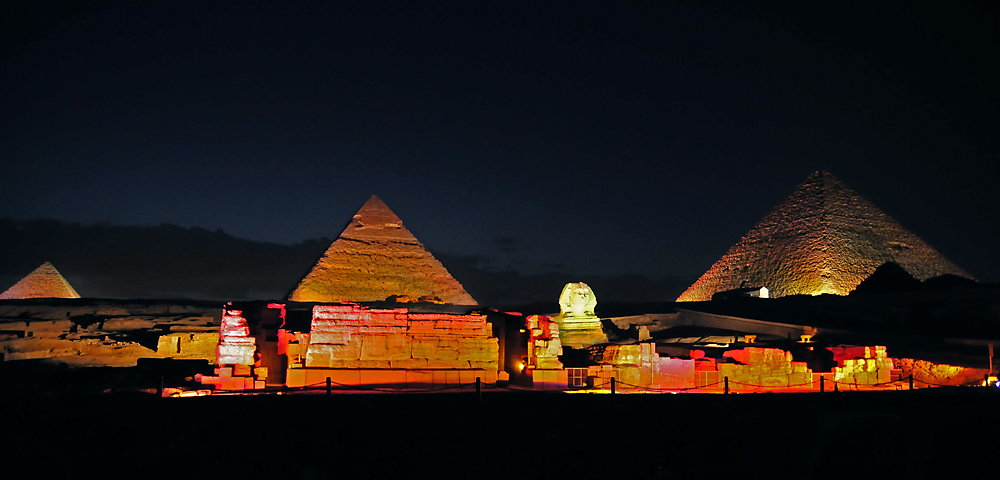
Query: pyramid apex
[(821, 175)]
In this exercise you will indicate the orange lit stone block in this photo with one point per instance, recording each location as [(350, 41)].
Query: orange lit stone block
[(764, 367), (862, 365), (550, 378)]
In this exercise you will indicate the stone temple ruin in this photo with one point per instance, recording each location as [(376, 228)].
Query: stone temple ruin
[(824, 238), (379, 311)]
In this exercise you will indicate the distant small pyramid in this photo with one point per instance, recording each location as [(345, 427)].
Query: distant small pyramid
[(374, 258), (824, 238), (44, 282)]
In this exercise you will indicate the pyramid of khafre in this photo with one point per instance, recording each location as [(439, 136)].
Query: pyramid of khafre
[(824, 238), (374, 258), (44, 282)]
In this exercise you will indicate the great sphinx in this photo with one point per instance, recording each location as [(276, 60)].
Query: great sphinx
[(579, 326)]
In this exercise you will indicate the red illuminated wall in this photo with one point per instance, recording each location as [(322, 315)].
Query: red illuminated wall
[(391, 347)]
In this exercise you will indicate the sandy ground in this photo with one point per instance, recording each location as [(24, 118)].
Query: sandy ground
[(920, 434)]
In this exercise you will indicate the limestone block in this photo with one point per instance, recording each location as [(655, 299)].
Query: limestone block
[(441, 377), (319, 355), (241, 370), (260, 373), (467, 377), (385, 347), (51, 328), (168, 345), (224, 372), (376, 364), (13, 325), (437, 364), (351, 351), (675, 372), (410, 363), (419, 379), (234, 325), (617, 354), (548, 363), (383, 377), (111, 311), (800, 379), (435, 348), (228, 354), (418, 327), (479, 349), (483, 365), (550, 378), (199, 345), (628, 374), (774, 380), (331, 338)]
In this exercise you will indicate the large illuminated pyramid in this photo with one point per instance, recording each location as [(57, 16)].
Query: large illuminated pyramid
[(374, 258), (44, 282), (824, 238)]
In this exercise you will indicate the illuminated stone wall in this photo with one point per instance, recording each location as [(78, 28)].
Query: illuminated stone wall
[(44, 282), (107, 334), (186, 345), (375, 258), (391, 347), (769, 367), (824, 238), (927, 373), (639, 365), (861, 365)]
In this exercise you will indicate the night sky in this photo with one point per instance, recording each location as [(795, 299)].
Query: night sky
[(565, 137)]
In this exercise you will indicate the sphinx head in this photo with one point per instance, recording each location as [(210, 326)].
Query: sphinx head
[(577, 300)]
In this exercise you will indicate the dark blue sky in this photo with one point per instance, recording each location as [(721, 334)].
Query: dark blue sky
[(594, 138)]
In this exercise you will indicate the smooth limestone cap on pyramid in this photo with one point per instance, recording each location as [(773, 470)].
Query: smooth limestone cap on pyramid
[(44, 282), (374, 258), (824, 238)]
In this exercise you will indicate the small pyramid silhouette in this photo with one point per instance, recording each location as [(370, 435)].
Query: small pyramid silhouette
[(824, 238), (44, 282), (374, 258)]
